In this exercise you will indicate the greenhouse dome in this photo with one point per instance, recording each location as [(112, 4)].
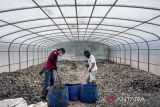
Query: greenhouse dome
[(122, 32)]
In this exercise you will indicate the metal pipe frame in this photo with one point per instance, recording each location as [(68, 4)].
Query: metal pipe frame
[(98, 29), (27, 51), (103, 17), (42, 42), (116, 44), (90, 18), (122, 44), (50, 18), (82, 5), (112, 38), (119, 46)]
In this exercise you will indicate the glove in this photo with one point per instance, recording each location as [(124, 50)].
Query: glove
[(87, 65), (41, 72), (55, 68)]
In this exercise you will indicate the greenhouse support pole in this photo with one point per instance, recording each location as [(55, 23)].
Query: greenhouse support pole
[(19, 59), (125, 57), (138, 58), (38, 54), (122, 44), (148, 57), (45, 52), (124, 54), (33, 50), (113, 54), (108, 53), (116, 54), (48, 52), (42, 54), (120, 54), (9, 63), (113, 50), (130, 56), (27, 58)]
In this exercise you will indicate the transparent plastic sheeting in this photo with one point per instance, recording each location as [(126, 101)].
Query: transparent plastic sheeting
[(75, 50), (129, 28)]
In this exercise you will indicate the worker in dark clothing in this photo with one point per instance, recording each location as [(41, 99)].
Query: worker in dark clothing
[(48, 69)]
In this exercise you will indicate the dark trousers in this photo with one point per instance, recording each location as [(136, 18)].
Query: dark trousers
[(48, 79)]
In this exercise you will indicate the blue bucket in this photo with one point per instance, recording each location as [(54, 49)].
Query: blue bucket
[(74, 91), (89, 93), (58, 97)]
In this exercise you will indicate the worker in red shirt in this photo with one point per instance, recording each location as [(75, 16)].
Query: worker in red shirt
[(48, 69)]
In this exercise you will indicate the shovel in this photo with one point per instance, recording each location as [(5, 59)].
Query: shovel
[(59, 81)]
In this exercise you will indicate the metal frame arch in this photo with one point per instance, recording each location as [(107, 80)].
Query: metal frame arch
[(130, 39), (140, 37), (117, 45), (148, 58), (120, 48), (113, 51), (22, 29), (72, 23), (116, 52), (125, 48), (38, 50), (151, 33), (138, 50), (33, 41), (39, 7), (47, 48), (56, 6), (9, 52), (133, 41), (37, 19), (71, 5), (26, 55), (20, 51), (112, 34), (129, 49), (39, 40), (33, 47), (138, 45), (129, 27), (42, 52)]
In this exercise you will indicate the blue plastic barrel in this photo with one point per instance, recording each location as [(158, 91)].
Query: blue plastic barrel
[(58, 97), (74, 91), (89, 93)]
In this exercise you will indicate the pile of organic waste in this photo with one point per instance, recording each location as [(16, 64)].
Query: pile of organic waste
[(112, 79)]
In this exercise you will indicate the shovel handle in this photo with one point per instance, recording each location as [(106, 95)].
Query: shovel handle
[(58, 76)]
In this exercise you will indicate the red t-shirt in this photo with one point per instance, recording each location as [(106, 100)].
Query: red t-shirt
[(49, 64)]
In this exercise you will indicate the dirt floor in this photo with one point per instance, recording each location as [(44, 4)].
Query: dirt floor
[(119, 85)]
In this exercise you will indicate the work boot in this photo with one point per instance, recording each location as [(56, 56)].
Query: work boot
[(44, 95)]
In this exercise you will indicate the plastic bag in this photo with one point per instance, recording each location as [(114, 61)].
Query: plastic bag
[(39, 104), (18, 102), (90, 77)]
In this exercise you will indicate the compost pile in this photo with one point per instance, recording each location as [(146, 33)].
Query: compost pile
[(26, 83), (111, 78), (124, 81)]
